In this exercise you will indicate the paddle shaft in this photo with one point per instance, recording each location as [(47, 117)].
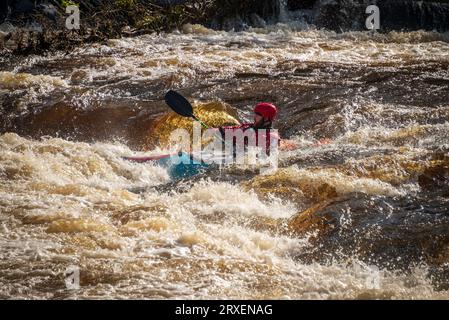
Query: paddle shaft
[(205, 126)]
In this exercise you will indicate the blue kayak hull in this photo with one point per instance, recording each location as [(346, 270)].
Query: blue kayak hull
[(182, 166)]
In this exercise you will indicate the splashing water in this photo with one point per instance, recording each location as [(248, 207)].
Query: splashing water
[(375, 196)]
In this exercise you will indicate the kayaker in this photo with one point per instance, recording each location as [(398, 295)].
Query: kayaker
[(264, 115)]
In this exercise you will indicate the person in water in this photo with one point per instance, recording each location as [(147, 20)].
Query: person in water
[(264, 115)]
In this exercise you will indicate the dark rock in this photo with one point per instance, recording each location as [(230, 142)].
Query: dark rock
[(24, 6), (345, 15), (4, 9), (167, 3), (300, 4), (414, 15), (376, 230), (257, 21), (225, 13), (49, 10), (235, 23)]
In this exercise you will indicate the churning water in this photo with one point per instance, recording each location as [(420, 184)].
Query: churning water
[(375, 198)]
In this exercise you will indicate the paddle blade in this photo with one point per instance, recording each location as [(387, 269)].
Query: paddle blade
[(179, 104)]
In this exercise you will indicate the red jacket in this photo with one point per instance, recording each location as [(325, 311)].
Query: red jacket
[(266, 136)]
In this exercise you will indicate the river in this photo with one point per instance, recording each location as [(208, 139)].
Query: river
[(365, 216)]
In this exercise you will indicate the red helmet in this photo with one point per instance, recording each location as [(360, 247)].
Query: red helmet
[(267, 110)]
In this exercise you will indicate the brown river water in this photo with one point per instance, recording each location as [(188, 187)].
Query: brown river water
[(375, 198)]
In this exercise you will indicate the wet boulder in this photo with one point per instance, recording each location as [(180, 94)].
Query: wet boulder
[(345, 15), (390, 232)]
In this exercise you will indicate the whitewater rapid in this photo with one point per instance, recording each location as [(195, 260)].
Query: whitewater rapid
[(315, 229)]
